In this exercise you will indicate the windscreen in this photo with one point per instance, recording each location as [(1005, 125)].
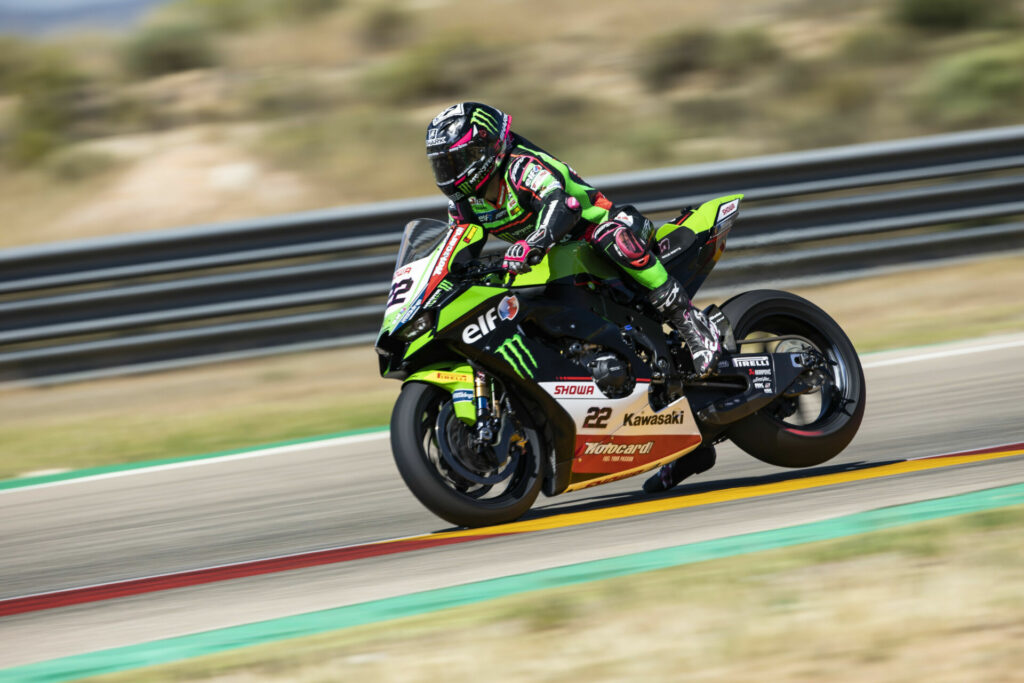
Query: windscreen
[(420, 238)]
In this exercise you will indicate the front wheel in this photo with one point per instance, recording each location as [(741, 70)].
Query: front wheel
[(807, 429), (434, 453)]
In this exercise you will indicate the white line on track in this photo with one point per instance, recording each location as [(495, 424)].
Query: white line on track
[(948, 353), (872, 360), (276, 450)]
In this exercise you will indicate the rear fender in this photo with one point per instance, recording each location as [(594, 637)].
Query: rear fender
[(456, 379), (717, 214), (692, 244)]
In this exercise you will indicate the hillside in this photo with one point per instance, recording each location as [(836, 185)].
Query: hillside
[(213, 109)]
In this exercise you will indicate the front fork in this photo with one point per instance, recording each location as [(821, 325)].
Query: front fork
[(487, 411), (472, 397)]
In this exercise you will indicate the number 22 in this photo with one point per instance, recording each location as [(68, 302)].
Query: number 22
[(398, 292), (597, 418)]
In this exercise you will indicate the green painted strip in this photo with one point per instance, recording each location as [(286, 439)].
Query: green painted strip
[(20, 482), (186, 647)]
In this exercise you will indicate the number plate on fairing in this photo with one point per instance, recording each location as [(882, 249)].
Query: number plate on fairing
[(620, 437)]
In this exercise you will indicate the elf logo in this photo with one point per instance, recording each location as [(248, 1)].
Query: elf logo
[(485, 323)]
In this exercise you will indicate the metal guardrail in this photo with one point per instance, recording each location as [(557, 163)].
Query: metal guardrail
[(173, 297)]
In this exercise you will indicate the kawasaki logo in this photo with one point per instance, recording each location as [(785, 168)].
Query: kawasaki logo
[(515, 353), (673, 418), (751, 362), (594, 448)]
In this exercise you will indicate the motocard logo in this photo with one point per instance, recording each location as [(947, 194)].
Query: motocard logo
[(751, 362), (673, 418), (485, 323), (574, 389), (597, 448)]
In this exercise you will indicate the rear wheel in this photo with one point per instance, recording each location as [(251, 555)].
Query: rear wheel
[(809, 428), (434, 453)]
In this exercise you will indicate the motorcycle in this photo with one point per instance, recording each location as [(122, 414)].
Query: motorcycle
[(563, 377)]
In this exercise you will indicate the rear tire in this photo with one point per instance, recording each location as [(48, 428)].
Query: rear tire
[(414, 443), (766, 435)]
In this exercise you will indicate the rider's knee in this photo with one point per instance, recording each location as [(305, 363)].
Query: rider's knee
[(622, 245)]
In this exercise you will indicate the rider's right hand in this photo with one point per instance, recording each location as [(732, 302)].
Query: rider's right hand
[(517, 257)]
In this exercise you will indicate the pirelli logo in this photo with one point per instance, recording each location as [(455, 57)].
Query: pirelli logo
[(751, 362), (674, 418), (596, 448)]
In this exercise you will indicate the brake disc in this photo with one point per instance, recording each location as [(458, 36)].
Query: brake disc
[(460, 453)]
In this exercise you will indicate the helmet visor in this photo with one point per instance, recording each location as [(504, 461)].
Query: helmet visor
[(451, 166)]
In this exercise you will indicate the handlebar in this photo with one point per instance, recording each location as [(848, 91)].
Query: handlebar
[(478, 269)]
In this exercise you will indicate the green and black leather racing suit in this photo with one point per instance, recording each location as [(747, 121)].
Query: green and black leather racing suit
[(543, 201)]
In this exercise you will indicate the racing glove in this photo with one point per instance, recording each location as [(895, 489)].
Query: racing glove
[(521, 256)]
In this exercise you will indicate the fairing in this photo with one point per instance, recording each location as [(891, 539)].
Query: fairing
[(519, 336)]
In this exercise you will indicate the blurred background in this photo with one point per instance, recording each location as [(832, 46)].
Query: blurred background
[(128, 115), (125, 116), (121, 118)]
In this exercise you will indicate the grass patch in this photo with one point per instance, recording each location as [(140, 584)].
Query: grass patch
[(167, 48), (132, 419), (866, 607), (952, 15), (975, 88), (671, 57), (449, 66)]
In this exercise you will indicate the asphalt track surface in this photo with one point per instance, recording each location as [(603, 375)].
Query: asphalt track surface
[(921, 402)]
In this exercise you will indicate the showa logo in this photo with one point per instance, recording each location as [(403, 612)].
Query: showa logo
[(485, 323)]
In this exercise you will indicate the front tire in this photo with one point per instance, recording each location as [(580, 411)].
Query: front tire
[(771, 434), (421, 418)]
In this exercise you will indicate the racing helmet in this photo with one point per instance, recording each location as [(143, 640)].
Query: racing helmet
[(466, 143)]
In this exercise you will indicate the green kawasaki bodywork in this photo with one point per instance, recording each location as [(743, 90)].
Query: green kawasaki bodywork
[(452, 377), (565, 260), (701, 220)]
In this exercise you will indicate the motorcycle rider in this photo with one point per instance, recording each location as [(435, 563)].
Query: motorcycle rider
[(516, 191)]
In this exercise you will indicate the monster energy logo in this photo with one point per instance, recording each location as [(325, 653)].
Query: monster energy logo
[(515, 353), (482, 118)]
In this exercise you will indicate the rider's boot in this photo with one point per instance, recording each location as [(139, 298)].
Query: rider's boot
[(696, 461), (702, 337)]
